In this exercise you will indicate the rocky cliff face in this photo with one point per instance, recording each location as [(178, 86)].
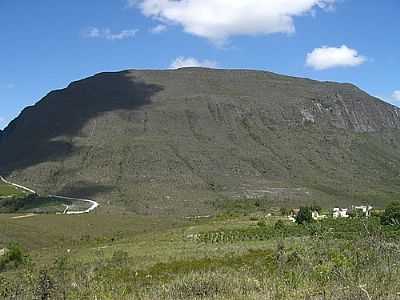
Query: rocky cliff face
[(175, 141)]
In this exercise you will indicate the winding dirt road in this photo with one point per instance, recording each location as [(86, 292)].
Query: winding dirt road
[(18, 186), (93, 204)]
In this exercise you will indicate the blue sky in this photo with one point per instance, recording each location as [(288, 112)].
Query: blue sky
[(46, 44)]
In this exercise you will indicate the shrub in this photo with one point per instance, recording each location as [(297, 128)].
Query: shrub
[(13, 257), (304, 215), (391, 216), (261, 224)]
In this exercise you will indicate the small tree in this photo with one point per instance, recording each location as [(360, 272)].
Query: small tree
[(304, 215), (391, 216)]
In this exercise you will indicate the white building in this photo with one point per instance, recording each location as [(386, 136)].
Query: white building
[(340, 213), (365, 210)]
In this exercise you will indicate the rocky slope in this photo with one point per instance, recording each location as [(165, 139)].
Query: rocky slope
[(176, 141)]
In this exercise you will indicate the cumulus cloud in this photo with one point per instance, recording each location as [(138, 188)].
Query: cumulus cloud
[(106, 33), (331, 57), (217, 20), (396, 95), (184, 62), (158, 29)]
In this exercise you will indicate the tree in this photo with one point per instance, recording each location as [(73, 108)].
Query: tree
[(304, 215), (391, 216)]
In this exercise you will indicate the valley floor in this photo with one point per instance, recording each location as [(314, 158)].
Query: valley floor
[(125, 256)]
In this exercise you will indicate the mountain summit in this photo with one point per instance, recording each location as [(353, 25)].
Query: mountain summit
[(178, 141)]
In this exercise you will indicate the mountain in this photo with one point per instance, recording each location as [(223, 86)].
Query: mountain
[(178, 141)]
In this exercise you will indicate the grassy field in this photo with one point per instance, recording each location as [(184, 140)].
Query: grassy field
[(125, 256), (10, 191)]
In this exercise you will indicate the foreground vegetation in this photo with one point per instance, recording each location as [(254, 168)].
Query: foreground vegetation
[(226, 257)]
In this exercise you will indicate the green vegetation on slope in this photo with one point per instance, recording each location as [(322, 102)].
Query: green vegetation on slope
[(7, 191), (172, 142)]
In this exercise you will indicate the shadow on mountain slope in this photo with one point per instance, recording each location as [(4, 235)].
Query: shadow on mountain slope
[(82, 189), (44, 131)]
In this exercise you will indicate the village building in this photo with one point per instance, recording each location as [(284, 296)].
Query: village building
[(340, 213), (3, 251), (364, 210)]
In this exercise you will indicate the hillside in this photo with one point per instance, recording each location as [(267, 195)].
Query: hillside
[(189, 140)]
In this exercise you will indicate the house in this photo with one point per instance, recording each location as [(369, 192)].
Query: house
[(316, 216), (363, 210), (340, 213), (3, 251)]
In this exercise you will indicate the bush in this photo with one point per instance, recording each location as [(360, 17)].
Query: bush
[(261, 224), (13, 257), (391, 216), (304, 215)]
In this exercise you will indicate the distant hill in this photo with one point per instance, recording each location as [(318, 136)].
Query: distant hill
[(175, 142)]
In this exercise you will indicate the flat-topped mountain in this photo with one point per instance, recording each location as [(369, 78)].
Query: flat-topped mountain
[(176, 141)]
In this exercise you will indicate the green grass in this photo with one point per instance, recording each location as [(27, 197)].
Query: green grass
[(125, 256), (10, 191)]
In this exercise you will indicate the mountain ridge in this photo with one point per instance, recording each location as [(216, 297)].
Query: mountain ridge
[(176, 141)]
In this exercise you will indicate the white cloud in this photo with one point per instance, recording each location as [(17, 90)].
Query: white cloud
[(331, 57), (184, 62), (217, 20), (107, 34), (158, 29), (396, 95)]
